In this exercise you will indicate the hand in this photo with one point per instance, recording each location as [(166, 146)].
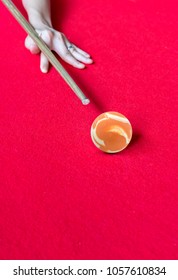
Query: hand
[(57, 42)]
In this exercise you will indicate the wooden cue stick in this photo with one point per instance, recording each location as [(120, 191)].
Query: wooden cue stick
[(44, 48)]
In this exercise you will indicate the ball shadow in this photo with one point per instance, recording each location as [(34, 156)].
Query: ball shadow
[(135, 138)]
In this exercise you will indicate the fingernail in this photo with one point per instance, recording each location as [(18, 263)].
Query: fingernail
[(81, 65), (44, 69)]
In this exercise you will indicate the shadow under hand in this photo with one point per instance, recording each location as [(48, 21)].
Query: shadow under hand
[(59, 11)]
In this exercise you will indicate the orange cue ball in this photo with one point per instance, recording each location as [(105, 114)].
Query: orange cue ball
[(111, 132)]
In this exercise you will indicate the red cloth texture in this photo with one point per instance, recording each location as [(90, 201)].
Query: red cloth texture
[(60, 197)]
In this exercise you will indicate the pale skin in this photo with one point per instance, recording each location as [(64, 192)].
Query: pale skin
[(39, 15)]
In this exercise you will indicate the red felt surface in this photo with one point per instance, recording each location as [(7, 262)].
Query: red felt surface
[(60, 197)]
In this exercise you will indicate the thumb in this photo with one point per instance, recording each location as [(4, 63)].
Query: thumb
[(31, 45)]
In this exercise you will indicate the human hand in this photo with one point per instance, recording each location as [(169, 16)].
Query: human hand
[(59, 43)]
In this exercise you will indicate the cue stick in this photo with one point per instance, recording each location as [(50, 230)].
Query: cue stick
[(44, 48)]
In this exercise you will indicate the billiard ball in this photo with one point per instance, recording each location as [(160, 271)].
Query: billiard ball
[(111, 132)]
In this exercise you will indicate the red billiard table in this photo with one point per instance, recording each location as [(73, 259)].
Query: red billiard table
[(60, 196)]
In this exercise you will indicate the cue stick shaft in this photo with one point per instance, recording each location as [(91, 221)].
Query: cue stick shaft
[(44, 48)]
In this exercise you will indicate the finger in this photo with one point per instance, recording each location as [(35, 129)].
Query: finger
[(81, 51), (31, 45), (44, 63), (76, 48), (78, 53), (80, 57), (47, 38), (61, 49)]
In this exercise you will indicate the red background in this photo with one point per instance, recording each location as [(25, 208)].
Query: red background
[(60, 197)]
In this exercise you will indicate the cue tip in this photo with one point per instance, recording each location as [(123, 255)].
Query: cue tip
[(85, 101)]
